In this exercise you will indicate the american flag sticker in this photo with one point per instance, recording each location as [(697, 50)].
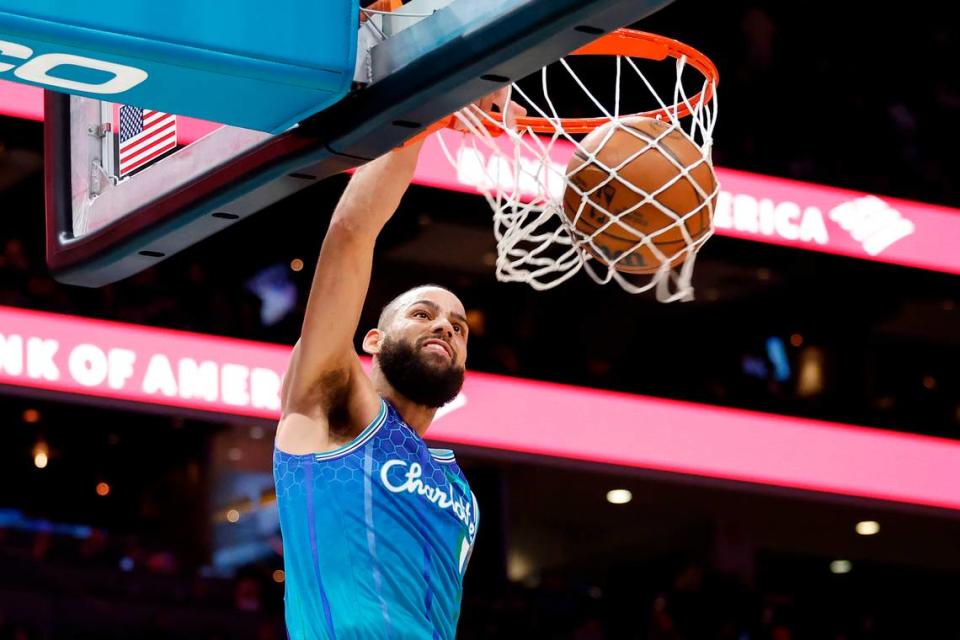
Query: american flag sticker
[(144, 136)]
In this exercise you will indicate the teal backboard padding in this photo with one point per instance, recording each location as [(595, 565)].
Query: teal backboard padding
[(259, 65)]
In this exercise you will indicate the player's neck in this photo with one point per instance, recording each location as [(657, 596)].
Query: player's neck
[(418, 416)]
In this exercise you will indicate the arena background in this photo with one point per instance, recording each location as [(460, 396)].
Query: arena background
[(126, 518)]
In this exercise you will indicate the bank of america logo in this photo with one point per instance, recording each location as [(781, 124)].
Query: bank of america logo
[(145, 135), (872, 222)]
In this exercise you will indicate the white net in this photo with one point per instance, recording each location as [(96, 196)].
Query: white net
[(563, 203)]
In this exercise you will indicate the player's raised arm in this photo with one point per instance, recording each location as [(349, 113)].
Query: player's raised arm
[(324, 377), (327, 398)]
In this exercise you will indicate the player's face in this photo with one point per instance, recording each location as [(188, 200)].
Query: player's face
[(424, 349), (434, 324)]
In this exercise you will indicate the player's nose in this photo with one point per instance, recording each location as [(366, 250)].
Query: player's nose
[(443, 327)]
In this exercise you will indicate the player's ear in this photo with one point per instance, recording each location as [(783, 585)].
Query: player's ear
[(372, 342)]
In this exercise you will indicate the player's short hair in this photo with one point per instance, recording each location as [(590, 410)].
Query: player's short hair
[(388, 311)]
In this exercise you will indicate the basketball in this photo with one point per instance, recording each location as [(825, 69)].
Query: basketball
[(651, 168)]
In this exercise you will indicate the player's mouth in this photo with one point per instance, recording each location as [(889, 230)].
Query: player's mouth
[(437, 346)]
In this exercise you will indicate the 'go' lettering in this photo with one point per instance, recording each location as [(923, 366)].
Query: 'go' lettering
[(38, 69)]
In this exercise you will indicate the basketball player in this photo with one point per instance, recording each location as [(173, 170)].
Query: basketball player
[(377, 527)]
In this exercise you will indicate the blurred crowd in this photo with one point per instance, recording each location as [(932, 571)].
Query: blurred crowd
[(99, 587), (104, 586), (183, 298), (837, 107)]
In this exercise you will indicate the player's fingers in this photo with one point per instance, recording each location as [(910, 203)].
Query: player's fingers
[(489, 104), (495, 103), (499, 99), (471, 115), (514, 111)]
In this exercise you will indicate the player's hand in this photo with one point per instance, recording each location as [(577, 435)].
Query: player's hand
[(497, 102), (477, 116)]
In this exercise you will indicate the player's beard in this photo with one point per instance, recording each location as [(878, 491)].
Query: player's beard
[(407, 370)]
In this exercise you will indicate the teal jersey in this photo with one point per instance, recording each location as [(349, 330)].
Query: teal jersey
[(376, 536)]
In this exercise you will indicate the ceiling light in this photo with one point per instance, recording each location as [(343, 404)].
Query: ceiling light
[(868, 527), (840, 566), (619, 496)]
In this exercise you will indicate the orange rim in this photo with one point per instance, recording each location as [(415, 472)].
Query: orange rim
[(622, 42), (634, 44)]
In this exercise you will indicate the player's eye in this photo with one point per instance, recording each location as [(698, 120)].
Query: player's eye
[(420, 314), (458, 328)]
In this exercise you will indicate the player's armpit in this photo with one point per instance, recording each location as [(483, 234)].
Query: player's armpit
[(325, 412)]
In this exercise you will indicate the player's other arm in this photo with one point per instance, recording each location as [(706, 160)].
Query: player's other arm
[(326, 395)]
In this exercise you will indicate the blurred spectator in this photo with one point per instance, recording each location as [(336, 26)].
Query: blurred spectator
[(18, 632), (591, 629), (42, 542), (246, 595)]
